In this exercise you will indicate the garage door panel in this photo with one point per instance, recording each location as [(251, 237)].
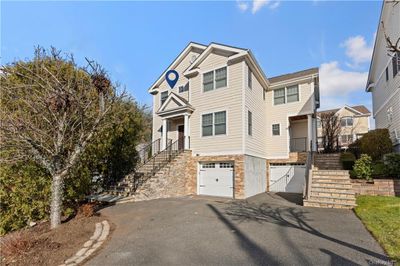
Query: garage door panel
[(216, 179)]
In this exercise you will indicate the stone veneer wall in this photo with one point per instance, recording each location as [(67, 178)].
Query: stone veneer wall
[(192, 170), (380, 187)]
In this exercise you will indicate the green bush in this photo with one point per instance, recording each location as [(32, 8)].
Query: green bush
[(379, 169), (392, 163), (347, 159), (25, 195), (375, 143), (363, 167)]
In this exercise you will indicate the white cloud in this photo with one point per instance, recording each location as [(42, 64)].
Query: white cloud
[(256, 5), (357, 50), (335, 81), (243, 6)]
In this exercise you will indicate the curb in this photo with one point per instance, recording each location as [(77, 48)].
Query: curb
[(100, 234)]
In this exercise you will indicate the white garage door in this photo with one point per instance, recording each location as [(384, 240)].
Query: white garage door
[(216, 179), (287, 178)]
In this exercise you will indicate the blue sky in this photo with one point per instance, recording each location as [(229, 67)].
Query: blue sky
[(136, 41)]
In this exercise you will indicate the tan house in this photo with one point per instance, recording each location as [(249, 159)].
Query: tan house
[(354, 122), (244, 133), (384, 74)]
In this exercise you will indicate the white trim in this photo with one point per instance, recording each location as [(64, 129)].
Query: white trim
[(217, 153), (243, 102), (213, 111), (288, 82), (214, 86), (169, 98), (198, 178)]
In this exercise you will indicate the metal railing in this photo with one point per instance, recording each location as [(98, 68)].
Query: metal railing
[(149, 151), (298, 144)]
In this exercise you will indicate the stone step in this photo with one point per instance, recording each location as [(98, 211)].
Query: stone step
[(341, 194), (328, 204), (330, 181), (330, 172), (332, 186), (340, 178), (333, 199)]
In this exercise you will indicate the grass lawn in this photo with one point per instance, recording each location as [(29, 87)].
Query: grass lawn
[(381, 215)]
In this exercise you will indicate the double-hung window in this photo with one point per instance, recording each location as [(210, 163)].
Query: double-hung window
[(164, 96), (214, 124), (249, 123), (184, 88), (279, 96), (276, 129), (396, 63), (249, 78), (292, 94), (215, 79), (346, 122), (286, 95)]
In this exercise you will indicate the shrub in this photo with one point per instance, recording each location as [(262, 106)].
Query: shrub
[(14, 244), (86, 210), (25, 195), (375, 143), (392, 163), (362, 167), (347, 159), (379, 169)]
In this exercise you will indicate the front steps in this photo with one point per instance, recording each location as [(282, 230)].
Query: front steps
[(330, 186)]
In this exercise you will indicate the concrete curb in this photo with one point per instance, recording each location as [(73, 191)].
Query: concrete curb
[(99, 236)]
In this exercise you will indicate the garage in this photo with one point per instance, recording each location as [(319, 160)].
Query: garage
[(287, 177), (216, 179)]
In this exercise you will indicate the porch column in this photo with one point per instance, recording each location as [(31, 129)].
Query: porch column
[(186, 131), (309, 131), (164, 136)]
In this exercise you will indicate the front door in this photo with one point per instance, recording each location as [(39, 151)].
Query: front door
[(181, 137)]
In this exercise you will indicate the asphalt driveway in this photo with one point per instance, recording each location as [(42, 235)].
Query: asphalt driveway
[(264, 230)]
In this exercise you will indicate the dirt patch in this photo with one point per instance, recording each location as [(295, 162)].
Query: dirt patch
[(41, 246)]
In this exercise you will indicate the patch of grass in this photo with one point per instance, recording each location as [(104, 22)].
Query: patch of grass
[(381, 216)]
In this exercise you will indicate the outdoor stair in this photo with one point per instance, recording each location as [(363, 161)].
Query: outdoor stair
[(330, 186)]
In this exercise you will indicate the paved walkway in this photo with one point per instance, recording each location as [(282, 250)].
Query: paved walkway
[(264, 230)]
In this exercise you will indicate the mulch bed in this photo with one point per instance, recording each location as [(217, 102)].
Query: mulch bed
[(39, 245)]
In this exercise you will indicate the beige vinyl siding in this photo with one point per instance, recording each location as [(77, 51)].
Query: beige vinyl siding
[(223, 99), (381, 117), (360, 124), (278, 146), (157, 122), (256, 143), (299, 129)]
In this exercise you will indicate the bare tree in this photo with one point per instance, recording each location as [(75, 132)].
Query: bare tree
[(393, 46), (50, 112), (330, 124)]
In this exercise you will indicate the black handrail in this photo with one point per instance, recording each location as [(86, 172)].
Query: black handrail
[(148, 152)]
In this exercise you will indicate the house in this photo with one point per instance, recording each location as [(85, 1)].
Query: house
[(244, 133), (384, 73), (354, 122)]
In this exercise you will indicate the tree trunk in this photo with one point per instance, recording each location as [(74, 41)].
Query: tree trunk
[(56, 201)]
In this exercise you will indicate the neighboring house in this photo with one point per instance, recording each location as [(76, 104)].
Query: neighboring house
[(354, 122), (244, 130), (384, 74)]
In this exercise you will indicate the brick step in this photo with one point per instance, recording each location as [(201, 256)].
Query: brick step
[(326, 181), (328, 204), (340, 179)]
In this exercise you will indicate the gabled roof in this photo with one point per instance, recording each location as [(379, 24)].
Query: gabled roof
[(299, 74), (358, 109), (181, 102), (178, 59)]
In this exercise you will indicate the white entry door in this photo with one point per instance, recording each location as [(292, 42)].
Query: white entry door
[(216, 179), (287, 178)]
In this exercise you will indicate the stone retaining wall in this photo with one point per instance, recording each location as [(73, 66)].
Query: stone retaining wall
[(380, 187)]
